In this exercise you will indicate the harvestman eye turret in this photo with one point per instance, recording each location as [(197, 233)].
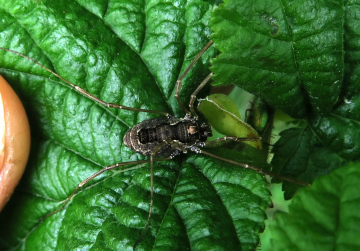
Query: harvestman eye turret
[(164, 137)]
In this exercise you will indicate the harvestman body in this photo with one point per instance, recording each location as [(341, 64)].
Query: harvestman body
[(162, 137)]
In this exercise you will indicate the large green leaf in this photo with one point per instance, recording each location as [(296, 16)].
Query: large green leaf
[(352, 58), (294, 54), (291, 53), (321, 145), (302, 57), (129, 53), (300, 154), (323, 217)]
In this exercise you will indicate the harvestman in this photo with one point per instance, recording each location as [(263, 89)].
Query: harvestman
[(165, 136)]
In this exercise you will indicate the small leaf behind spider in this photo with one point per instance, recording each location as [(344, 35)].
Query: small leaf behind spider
[(223, 115)]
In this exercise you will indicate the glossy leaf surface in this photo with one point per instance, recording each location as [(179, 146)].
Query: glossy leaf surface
[(199, 203)]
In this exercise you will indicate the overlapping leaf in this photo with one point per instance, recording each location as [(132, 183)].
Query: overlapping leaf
[(134, 60), (288, 52), (323, 144), (302, 58), (293, 54), (323, 217)]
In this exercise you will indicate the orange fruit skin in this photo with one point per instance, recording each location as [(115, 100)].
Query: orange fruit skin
[(14, 141)]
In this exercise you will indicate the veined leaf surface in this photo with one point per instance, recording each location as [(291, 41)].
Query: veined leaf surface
[(130, 53)]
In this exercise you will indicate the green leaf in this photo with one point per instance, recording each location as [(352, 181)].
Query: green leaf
[(223, 114), (199, 203), (340, 134), (301, 155), (322, 217), (288, 52), (323, 144), (352, 56), (258, 115)]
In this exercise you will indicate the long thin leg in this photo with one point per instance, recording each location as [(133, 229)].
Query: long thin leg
[(193, 95), (259, 170), (107, 168), (82, 91), (182, 76), (151, 203), (157, 149), (214, 142)]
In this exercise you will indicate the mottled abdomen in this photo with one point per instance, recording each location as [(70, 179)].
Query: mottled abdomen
[(144, 137)]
